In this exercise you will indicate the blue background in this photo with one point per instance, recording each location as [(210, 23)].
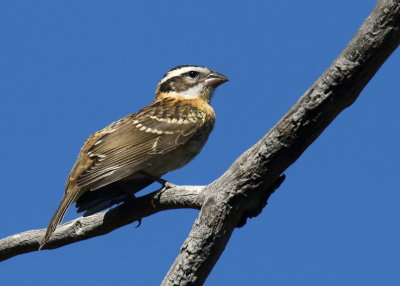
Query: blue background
[(69, 68)]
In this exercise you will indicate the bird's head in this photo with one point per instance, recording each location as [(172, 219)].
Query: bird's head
[(189, 82)]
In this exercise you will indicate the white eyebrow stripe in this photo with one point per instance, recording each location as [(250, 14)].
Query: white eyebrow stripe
[(182, 70)]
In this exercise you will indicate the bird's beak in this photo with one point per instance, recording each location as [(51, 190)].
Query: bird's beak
[(214, 79)]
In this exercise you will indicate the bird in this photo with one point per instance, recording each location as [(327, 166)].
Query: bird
[(137, 150)]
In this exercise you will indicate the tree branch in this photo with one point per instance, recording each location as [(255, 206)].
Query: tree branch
[(102, 223), (255, 172)]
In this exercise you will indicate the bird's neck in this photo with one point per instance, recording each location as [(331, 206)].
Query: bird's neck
[(202, 103), (203, 96)]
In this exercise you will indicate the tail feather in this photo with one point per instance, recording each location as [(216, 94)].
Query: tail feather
[(68, 199), (97, 200)]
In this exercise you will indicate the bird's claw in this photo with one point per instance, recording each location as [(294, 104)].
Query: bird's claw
[(139, 222), (157, 196), (167, 185)]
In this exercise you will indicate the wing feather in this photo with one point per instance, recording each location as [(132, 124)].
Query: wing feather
[(136, 142)]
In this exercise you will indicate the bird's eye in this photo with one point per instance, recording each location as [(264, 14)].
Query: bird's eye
[(193, 74)]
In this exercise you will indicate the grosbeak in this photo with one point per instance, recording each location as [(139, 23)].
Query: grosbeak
[(133, 152)]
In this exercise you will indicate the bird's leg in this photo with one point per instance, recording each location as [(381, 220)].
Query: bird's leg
[(128, 198), (165, 185)]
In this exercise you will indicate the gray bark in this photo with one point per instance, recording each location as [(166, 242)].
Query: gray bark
[(243, 190), (102, 223)]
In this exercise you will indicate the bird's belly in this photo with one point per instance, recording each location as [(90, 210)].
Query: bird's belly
[(175, 159)]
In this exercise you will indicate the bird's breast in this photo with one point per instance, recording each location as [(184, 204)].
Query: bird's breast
[(181, 155)]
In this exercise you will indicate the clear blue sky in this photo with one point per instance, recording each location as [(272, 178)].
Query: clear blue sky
[(69, 68)]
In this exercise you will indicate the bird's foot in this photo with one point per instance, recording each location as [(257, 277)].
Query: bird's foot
[(130, 198), (165, 186), (157, 196), (139, 222)]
